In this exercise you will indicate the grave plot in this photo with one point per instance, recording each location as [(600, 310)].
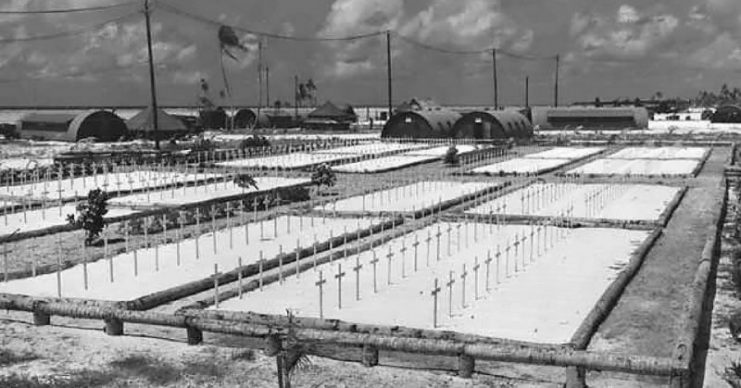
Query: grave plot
[(683, 167), (600, 201), (144, 271), (565, 153), (115, 182), (529, 283), (374, 148), (660, 153), (385, 163), (413, 197), (194, 194), (521, 166), (286, 161), (440, 151), (24, 163), (45, 218)]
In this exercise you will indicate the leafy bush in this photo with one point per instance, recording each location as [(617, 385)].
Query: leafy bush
[(246, 181), (323, 176), (254, 141), (451, 156), (90, 215)]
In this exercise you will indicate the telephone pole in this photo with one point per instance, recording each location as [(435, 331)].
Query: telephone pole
[(295, 96), (555, 90), (152, 87), (259, 76), (267, 86), (388, 70), (494, 73), (527, 91)]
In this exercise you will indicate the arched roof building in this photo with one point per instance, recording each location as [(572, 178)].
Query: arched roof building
[(727, 114), (500, 124), (546, 118), (247, 118), (427, 124), (99, 124)]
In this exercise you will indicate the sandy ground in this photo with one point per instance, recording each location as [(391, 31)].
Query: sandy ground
[(441, 151), (416, 196), (185, 195), (147, 270), (372, 148), (565, 153), (659, 153), (525, 295), (383, 163), (520, 166), (637, 167), (293, 160), (69, 188), (48, 217), (603, 201)]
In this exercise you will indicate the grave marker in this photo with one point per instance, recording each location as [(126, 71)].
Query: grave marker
[(320, 284), (339, 277), (434, 292)]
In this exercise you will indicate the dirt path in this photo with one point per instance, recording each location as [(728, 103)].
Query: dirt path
[(647, 318)]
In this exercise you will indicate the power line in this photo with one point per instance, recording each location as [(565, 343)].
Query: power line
[(64, 34), (177, 11), (69, 10), (473, 52)]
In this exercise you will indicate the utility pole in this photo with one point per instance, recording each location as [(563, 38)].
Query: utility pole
[(527, 91), (152, 87), (555, 91), (259, 75), (494, 73), (295, 96), (388, 70), (267, 86)]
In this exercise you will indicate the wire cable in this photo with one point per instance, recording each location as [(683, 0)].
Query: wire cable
[(177, 11), (472, 52), (65, 34), (69, 10)]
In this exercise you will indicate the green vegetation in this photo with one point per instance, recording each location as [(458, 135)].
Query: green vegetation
[(90, 215)]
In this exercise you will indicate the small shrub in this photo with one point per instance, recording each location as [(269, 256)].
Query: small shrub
[(732, 374), (451, 156), (90, 215), (246, 181), (254, 141), (323, 176)]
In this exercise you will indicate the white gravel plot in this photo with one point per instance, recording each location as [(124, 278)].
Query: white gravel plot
[(601, 201), (416, 196), (24, 163), (67, 188), (383, 163), (440, 151), (545, 301), (293, 160), (660, 153), (565, 153), (520, 166), (185, 195), (38, 219), (158, 269), (372, 148), (637, 167)]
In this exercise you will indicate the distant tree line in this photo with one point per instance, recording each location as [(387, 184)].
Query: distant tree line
[(726, 96)]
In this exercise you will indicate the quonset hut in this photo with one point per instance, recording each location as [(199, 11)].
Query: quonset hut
[(727, 114), (549, 118), (423, 124), (99, 124), (247, 118), (500, 124), (167, 125)]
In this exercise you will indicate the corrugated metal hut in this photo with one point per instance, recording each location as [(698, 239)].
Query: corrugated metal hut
[(213, 118), (99, 124), (330, 116), (727, 114), (500, 124), (546, 118), (427, 124), (167, 125), (247, 118)]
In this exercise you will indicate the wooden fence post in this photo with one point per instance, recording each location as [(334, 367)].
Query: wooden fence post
[(40, 318), (114, 326), (195, 336), (576, 377), (370, 355), (466, 365)]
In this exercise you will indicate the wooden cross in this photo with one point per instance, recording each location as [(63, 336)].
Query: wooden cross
[(389, 256), (339, 277), (320, 284), (415, 244), (438, 241), (428, 240), (463, 288), (450, 242), (450, 283), (375, 263), (434, 292), (488, 268), (458, 231), (213, 225), (506, 260), (522, 241), (476, 267), (357, 269), (198, 232), (181, 221), (403, 251), (532, 234)]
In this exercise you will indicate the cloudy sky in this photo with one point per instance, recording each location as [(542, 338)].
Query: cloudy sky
[(608, 48)]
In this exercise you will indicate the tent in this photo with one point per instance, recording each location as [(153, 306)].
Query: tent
[(331, 111), (144, 122)]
